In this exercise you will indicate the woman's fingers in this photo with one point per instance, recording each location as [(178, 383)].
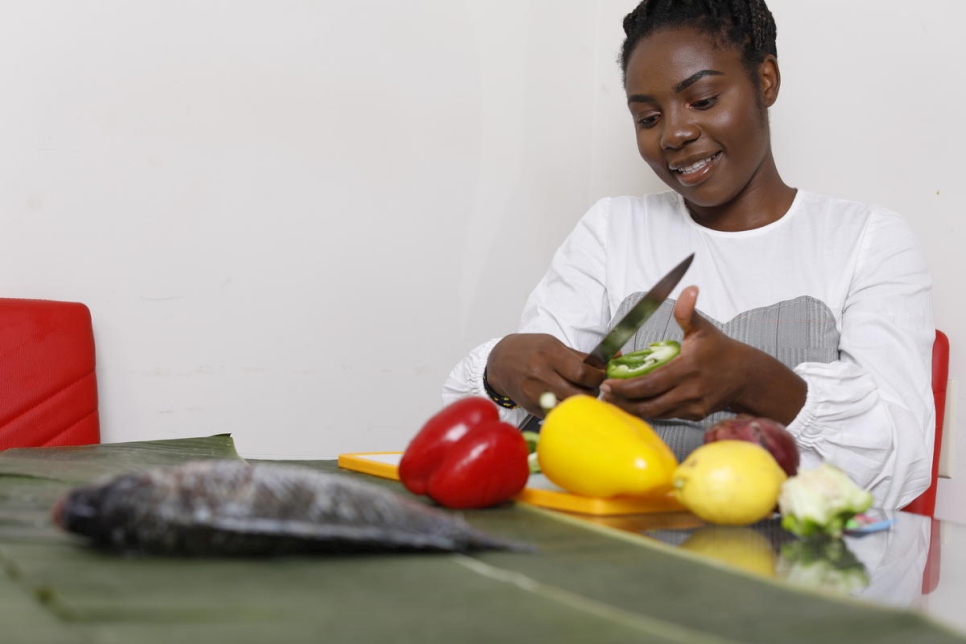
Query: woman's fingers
[(684, 309), (525, 366)]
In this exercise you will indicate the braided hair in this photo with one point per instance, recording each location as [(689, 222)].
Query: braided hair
[(745, 24)]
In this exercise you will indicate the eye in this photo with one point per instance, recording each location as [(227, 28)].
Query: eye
[(705, 103), (647, 121)]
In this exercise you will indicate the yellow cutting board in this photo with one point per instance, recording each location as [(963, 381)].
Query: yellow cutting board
[(539, 490)]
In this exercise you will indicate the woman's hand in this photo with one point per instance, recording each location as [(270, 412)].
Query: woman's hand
[(713, 372), (524, 366)]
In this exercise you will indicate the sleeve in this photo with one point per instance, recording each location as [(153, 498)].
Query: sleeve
[(570, 302), (871, 413), (466, 379)]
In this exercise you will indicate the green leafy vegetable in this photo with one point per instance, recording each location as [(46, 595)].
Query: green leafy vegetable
[(820, 501)]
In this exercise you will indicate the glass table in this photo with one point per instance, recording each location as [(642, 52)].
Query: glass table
[(916, 562)]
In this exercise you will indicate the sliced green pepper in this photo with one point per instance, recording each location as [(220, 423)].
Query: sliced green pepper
[(637, 363)]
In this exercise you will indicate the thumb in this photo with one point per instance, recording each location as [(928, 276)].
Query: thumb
[(684, 312)]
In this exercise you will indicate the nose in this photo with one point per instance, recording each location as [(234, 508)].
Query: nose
[(679, 129)]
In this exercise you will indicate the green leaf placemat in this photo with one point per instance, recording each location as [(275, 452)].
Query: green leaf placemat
[(23, 620), (584, 584), (84, 463)]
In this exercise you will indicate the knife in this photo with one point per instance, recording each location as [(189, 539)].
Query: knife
[(625, 329)]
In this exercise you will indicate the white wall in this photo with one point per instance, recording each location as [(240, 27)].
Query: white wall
[(290, 219)]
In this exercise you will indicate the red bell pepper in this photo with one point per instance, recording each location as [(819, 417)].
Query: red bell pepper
[(465, 457)]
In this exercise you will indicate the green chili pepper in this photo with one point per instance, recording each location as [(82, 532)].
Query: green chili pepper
[(637, 363)]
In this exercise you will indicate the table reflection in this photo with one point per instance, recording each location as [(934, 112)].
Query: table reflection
[(891, 566)]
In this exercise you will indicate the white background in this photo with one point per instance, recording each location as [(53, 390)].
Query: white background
[(291, 218)]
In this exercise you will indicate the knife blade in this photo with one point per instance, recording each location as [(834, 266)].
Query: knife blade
[(628, 325)]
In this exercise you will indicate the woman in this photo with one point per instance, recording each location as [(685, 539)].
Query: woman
[(814, 311)]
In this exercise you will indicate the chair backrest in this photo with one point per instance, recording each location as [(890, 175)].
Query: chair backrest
[(925, 503), (48, 387)]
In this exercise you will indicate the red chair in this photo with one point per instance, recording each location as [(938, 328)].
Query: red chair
[(925, 503), (48, 388)]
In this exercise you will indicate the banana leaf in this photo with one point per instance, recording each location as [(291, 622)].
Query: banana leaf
[(585, 583), (83, 463), (26, 621)]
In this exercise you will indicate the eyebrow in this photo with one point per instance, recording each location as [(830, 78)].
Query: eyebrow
[(680, 87)]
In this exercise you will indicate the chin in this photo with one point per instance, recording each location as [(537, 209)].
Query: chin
[(710, 194), (701, 195), (704, 198)]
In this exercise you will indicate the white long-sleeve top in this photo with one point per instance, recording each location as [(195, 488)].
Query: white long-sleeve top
[(837, 290)]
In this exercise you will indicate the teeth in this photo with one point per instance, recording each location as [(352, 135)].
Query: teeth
[(694, 167)]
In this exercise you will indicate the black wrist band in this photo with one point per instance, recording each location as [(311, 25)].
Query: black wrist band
[(502, 401)]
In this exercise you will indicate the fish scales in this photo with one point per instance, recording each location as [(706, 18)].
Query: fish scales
[(233, 508)]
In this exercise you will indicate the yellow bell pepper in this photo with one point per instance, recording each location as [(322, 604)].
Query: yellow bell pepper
[(591, 447)]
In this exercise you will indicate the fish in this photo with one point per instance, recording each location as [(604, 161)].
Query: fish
[(235, 508)]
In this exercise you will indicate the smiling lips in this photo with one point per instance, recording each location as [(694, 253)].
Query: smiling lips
[(694, 173)]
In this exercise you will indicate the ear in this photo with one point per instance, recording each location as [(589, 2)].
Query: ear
[(769, 80)]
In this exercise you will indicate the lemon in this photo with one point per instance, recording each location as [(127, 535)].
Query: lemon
[(729, 482), (742, 548)]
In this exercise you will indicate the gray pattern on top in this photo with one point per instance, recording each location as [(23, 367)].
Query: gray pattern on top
[(793, 331)]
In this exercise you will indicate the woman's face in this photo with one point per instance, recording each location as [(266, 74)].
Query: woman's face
[(700, 120)]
